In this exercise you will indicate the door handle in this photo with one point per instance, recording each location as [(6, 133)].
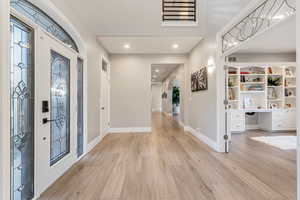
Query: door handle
[(103, 108), (46, 120)]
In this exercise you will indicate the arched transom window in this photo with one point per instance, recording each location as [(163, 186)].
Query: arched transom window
[(42, 19)]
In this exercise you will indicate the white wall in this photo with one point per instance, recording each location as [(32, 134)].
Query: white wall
[(203, 105), (156, 91), (131, 88)]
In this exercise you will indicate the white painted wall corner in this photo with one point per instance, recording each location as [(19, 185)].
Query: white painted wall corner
[(212, 144), (93, 143)]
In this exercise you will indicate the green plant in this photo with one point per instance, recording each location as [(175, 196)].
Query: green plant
[(274, 81), (176, 96)]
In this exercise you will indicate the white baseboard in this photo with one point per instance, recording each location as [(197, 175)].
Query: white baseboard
[(252, 127), (181, 123), (93, 143), (156, 110), (168, 114), (131, 130), (212, 144)]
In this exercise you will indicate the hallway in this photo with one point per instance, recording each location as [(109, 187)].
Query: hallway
[(170, 165)]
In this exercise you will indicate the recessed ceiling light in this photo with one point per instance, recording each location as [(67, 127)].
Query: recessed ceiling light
[(157, 70), (127, 46), (175, 46)]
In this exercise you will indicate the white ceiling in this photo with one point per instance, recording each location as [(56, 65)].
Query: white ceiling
[(149, 45), (164, 71), (115, 20), (280, 39)]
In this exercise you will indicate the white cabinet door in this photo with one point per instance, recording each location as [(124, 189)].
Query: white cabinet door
[(237, 121), (284, 120)]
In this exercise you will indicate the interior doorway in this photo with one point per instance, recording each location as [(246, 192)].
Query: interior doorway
[(261, 106), (167, 90), (105, 98)]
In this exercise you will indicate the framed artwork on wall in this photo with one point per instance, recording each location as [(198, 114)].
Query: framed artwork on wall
[(199, 80)]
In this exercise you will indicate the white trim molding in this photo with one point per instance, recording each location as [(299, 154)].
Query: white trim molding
[(4, 100), (93, 143), (212, 144), (131, 130)]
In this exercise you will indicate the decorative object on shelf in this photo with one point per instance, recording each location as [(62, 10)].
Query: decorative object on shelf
[(289, 72), (274, 81), (231, 94), (272, 93), (231, 82), (273, 105), (257, 87), (248, 102), (290, 93), (199, 80), (270, 71), (288, 105), (164, 95)]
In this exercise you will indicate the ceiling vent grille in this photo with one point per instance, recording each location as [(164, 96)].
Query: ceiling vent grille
[(179, 10)]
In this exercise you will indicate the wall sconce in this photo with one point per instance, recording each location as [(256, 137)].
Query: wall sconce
[(211, 65)]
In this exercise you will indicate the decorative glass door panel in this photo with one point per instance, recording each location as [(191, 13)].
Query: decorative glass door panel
[(60, 107), (79, 107), (22, 109)]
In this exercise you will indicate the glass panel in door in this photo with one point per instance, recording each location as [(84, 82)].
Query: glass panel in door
[(22, 111), (79, 107), (59, 107)]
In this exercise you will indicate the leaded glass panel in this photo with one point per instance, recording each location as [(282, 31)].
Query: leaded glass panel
[(21, 111), (60, 107), (80, 107), (43, 20)]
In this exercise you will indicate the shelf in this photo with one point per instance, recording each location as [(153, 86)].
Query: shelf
[(259, 92), (290, 87), (291, 97), (250, 83), (290, 76), (253, 74), (256, 91)]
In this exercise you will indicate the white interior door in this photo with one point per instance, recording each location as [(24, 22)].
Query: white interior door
[(55, 109), (105, 89)]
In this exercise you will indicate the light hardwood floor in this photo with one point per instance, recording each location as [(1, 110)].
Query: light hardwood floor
[(172, 165)]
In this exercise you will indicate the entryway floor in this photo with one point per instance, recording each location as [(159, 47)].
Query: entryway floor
[(172, 165)]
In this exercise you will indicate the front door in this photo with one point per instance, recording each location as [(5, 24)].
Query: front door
[(56, 134)]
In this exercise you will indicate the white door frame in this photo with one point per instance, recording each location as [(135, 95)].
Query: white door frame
[(5, 94), (298, 98), (108, 98), (4, 99)]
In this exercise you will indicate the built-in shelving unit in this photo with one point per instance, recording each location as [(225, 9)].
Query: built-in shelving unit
[(252, 86)]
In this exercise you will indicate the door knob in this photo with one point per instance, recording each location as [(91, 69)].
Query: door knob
[(103, 108)]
